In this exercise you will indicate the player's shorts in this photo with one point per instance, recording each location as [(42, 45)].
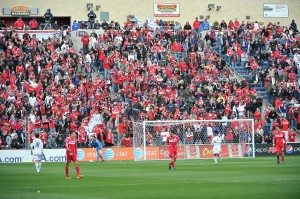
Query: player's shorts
[(216, 150), (173, 154), (279, 149), (71, 158), (37, 157)]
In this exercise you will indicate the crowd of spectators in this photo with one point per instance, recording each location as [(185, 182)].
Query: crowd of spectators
[(128, 75)]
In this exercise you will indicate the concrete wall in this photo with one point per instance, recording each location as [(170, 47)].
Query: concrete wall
[(119, 9)]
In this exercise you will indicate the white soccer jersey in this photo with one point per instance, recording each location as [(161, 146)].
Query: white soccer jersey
[(37, 146), (217, 144)]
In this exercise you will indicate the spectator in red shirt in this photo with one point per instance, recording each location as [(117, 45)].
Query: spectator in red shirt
[(85, 39), (197, 25), (19, 24), (33, 24)]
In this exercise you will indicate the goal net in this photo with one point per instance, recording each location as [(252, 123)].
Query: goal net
[(149, 138)]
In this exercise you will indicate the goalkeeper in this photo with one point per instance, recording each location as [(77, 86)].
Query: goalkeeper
[(98, 145)]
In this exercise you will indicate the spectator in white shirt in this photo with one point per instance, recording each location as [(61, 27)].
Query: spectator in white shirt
[(32, 100)]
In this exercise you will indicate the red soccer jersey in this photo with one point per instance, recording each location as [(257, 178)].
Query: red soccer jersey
[(279, 138), (172, 142), (71, 145)]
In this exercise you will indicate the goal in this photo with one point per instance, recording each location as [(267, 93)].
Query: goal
[(149, 138)]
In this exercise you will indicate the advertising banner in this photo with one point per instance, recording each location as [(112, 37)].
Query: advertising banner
[(269, 150), (164, 152), (166, 9), (15, 156), (276, 10), (206, 151), (152, 153), (192, 152), (124, 153), (20, 11)]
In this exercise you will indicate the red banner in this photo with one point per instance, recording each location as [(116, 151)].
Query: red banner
[(206, 151), (164, 152), (235, 150)]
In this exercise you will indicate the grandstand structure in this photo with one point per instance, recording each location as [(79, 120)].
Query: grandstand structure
[(178, 76)]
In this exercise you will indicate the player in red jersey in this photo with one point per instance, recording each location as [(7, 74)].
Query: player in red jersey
[(280, 142), (172, 141), (71, 154)]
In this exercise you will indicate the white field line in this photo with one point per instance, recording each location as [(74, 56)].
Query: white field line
[(145, 184)]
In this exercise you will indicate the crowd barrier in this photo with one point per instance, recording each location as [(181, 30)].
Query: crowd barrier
[(40, 34), (269, 150), (126, 153), (152, 153)]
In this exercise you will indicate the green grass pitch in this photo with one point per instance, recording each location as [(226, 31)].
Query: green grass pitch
[(253, 178)]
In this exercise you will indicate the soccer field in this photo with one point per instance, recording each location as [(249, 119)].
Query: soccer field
[(234, 178)]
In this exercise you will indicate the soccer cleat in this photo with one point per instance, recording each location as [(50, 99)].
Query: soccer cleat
[(282, 162), (80, 176), (102, 160), (170, 167), (277, 161), (68, 177)]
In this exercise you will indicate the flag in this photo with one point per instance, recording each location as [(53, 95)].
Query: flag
[(96, 119), (138, 21), (151, 23)]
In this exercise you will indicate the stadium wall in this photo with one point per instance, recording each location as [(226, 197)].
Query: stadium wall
[(120, 9), (153, 153)]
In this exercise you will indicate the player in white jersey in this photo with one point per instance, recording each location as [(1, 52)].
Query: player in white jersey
[(217, 141), (37, 151)]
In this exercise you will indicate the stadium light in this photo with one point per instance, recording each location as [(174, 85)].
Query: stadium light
[(89, 6), (211, 6)]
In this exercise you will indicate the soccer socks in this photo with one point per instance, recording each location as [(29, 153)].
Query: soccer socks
[(277, 159), (77, 170), (282, 159), (172, 164), (37, 166), (99, 156), (67, 171), (215, 158)]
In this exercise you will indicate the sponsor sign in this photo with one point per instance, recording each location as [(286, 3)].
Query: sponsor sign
[(20, 11), (192, 151), (123, 153), (166, 9), (206, 151), (235, 151), (14, 156), (269, 150), (55, 155), (164, 152), (152, 153), (276, 10)]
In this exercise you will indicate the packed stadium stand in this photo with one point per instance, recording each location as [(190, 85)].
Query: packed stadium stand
[(102, 81)]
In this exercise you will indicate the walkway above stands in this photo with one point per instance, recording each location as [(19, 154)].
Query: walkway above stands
[(40, 34)]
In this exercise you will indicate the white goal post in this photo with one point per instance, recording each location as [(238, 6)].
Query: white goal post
[(195, 138)]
